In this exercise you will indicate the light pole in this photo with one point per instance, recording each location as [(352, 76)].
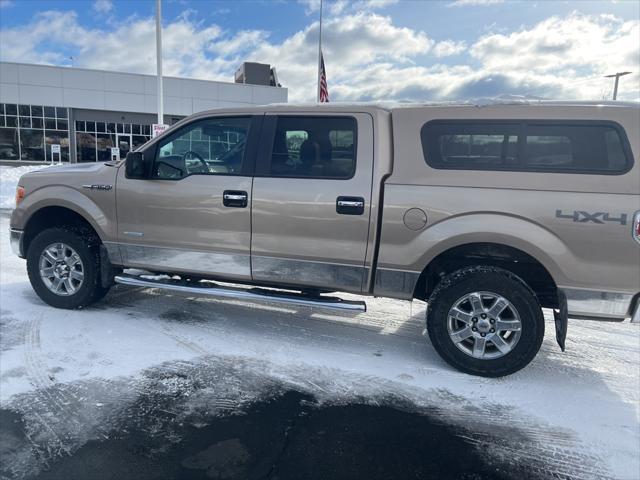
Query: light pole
[(159, 61), (615, 85)]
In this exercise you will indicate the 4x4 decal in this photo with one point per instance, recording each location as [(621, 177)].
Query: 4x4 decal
[(598, 217)]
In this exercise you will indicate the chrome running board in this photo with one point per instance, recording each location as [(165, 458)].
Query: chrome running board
[(248, 294)]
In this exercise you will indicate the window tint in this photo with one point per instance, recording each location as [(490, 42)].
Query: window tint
[(461, 145), (589, 148), (214, 146), (584, 147), (316, 147)]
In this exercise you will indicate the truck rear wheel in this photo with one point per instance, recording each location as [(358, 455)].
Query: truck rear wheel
[(485, 321), (64, 268)]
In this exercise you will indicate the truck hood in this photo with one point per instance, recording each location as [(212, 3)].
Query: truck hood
[(74, 176), (73, 168)]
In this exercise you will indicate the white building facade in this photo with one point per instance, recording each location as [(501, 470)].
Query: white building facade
[(87, 112)]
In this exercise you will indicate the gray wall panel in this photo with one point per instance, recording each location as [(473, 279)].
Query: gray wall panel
[(124, 82), (40, 95), (8, 73), (39, 75), (126, 102), (9, 93), (102, 90)]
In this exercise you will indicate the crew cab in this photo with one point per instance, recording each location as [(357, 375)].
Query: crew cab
[(489, 213)]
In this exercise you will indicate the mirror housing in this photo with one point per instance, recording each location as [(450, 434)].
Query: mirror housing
[(136, 166)]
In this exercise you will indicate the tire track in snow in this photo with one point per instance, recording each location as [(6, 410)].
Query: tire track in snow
[(56, 417)]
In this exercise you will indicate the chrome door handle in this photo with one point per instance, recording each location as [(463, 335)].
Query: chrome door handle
[(234, 198), (350, 205)]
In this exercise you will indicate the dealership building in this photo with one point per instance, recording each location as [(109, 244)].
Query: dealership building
[(87, 112)]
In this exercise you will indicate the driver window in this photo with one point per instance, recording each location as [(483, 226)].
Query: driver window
[(214, 146)]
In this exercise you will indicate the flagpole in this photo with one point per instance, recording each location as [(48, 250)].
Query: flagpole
[(159, 61), (319, 54)]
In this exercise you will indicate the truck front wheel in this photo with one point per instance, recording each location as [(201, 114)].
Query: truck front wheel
[(64, 268), (485, 321)]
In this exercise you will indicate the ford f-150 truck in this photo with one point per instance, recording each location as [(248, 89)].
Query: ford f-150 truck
[(489, 213)]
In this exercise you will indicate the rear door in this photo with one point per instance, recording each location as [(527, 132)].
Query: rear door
[(312, 201)]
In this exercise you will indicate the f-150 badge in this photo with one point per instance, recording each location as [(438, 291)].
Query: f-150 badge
[(96, 186)]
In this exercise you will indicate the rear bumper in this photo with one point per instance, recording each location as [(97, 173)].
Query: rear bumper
[(16, 242), (601, 305)]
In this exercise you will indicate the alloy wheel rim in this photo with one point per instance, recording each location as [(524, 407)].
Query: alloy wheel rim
[(61, 269), (484, 325)]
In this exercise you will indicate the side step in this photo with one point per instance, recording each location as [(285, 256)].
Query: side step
[(249, 294)]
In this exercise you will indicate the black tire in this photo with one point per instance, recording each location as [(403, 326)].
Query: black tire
[(486, 279), (87, 247)]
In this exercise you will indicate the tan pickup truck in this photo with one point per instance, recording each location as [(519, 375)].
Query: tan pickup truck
[(489, 213)]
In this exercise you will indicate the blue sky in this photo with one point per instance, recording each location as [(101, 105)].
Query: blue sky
[(407, 50)]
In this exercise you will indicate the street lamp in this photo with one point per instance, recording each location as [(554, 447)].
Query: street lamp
[(617, 77)]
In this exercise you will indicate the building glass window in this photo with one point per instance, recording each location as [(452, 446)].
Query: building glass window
[(57, 137), (105, 143), (23, 132), (32, 145), (85, 147), (9, 144), (95, 139)]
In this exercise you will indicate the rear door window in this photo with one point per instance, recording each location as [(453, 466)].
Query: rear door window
[(314, 147)]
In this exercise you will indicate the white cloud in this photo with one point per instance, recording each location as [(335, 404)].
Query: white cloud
[(473, 3), (103, 6), (448, 47), (6, 3), (367, 56), (336, 7)]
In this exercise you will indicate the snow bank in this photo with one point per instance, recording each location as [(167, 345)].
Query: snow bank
[(9, 177)]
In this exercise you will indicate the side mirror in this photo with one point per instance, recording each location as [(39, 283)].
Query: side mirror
[(135, 166)]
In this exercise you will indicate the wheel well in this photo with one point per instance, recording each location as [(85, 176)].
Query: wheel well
[(491, 254), (50, 217)]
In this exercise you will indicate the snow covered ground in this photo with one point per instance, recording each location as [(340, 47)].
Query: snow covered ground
[(71, 375), (9, 177)]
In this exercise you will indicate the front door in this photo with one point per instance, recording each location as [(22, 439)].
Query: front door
[(123, 142), (312, 201), (193, 213)]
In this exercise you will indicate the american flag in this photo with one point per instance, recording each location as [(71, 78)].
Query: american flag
[(324, 90)]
